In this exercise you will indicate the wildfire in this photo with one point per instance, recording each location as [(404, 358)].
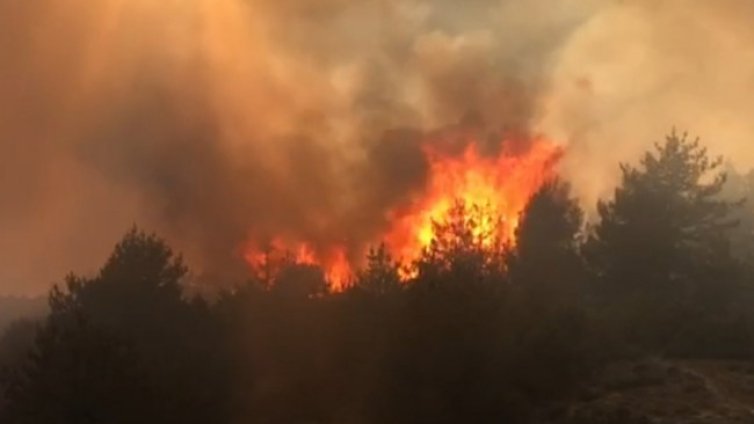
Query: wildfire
[(267, 260), (497, 187)]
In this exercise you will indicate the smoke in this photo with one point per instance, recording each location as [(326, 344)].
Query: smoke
[(636, 69), (217, 121)]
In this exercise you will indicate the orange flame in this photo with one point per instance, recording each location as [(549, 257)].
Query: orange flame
[(500, 186), (334, 261)]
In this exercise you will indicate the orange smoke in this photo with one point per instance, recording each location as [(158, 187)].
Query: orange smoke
[(497, 186)]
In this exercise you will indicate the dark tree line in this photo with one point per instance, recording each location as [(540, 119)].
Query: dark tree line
[(483, 332)]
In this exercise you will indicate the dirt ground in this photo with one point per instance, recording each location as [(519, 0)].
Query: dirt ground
[(667, 392)]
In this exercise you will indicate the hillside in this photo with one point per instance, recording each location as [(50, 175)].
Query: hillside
[(667, 392)]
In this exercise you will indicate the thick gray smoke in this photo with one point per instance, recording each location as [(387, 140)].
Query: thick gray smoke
[(219, 121)]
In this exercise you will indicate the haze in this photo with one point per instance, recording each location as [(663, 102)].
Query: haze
[(212, 120)]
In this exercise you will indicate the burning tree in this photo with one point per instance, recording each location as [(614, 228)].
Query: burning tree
[(382, 273), (466, 243), (470, 202)]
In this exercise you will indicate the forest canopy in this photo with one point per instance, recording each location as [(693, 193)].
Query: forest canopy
[(477, 329)]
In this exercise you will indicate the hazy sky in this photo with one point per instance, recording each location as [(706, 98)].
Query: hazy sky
[(211, 121)]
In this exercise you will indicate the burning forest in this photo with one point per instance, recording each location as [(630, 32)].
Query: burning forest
[(376, 211), (321, 127), (496, 187)]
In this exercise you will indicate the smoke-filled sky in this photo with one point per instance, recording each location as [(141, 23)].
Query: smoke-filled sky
[(216, 121)]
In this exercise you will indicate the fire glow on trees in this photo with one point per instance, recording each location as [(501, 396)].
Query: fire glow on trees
[(496, 185)]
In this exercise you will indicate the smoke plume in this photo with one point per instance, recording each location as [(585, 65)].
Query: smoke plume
[(215, 122)]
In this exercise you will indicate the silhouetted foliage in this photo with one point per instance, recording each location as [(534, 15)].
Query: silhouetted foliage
[(299, 280), (666, 222), (134, 301), (17, 340), (546, 261), (79, 374), (381, 275), (15, 344), (741, 186), (661, 248), (466, 245), (474, 331)]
